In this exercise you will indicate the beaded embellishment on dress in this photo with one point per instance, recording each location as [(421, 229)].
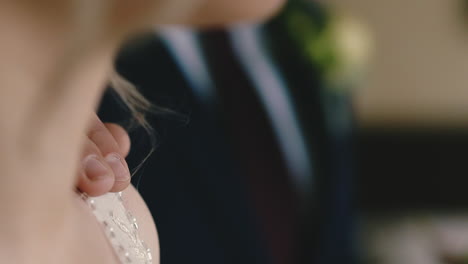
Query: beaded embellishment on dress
[(121, 228)]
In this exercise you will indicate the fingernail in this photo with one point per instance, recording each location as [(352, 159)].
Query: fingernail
[(119, 167), (95, 169)]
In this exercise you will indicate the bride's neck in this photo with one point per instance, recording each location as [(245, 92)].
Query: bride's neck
[(49, 70), (51, 78)]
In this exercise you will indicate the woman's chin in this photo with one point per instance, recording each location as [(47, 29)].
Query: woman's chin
[(195, 13), (212, 13)]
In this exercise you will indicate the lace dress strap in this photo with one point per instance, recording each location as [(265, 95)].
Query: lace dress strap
[(120, 227)]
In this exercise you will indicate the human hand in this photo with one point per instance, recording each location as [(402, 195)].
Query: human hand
[(103, 166)]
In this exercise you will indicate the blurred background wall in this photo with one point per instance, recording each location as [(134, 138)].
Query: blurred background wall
[(419, 72), (412, 114), (412, 106)]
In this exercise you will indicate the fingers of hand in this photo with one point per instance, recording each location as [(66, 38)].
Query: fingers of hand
[(120, 136), (105, 149), (96, 177), (110, 149)]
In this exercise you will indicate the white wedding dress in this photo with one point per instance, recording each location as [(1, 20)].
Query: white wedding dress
[(120, 227)]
